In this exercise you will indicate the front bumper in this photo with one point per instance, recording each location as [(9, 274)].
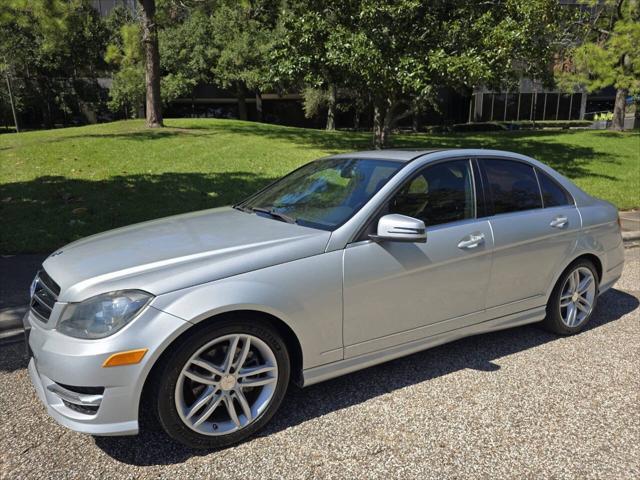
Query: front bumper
[(58, 361), (65, 416)]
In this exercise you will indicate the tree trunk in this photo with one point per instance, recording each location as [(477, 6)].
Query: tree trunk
[(382, 119), (415, 117), (258, 105), (356, 119), (619, 109), (378, 134), (13, 107), (583, 104), (331, 107), (242, 101), (152, 63), (386, 126), (47, 115)]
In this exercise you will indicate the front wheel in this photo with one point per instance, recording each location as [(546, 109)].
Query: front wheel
[(222, 384), (573, 299)]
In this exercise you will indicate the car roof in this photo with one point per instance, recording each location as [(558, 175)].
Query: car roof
[(408, 154), (397, 154)]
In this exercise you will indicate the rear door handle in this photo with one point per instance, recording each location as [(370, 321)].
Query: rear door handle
[(559, 222), (472, 241)]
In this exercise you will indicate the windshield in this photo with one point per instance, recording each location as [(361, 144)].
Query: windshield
[(323, 194)]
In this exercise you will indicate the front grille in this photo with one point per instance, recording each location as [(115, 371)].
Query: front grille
[(45, 295)]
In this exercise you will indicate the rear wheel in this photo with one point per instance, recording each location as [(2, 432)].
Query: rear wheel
[(222, 384), (573, 299)]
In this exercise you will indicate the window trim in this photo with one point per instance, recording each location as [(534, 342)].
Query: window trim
[(483, 208), (489, 193), (535, 173), (470, 159)]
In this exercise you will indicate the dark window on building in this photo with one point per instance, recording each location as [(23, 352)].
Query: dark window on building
[(553, 195), (441, 193), (512, 185)]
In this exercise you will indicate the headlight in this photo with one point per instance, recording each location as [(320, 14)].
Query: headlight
[(102, 315)]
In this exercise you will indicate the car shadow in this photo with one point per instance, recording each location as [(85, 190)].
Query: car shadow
[(50, 211), (154, 447)]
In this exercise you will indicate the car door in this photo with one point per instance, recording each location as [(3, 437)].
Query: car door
[(534, 232), (398, 292)]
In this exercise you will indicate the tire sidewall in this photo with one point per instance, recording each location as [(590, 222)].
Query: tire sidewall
[(174, 363)]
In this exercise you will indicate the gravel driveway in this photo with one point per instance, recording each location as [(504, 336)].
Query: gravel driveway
[(517, 403)]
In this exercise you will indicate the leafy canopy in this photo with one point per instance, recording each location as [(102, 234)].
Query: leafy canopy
[(404, 48), (609, 53)]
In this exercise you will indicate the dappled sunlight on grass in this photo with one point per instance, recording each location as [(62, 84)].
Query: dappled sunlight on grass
[(59, 185)]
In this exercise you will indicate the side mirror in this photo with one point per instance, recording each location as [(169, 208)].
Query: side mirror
[(400, 228)]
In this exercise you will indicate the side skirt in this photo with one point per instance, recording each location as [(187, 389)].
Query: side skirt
[(342, 367)]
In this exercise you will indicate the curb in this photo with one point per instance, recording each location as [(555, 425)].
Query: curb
[(631, 239), (11, 336), (11, 318), (631, 236)]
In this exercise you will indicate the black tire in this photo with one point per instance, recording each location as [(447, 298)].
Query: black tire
[(165, 377), (553, 320)]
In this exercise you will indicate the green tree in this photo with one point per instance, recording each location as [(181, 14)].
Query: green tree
[(51, 54), (151, 50), (307, 54), (400, 52), (243, 33), (127, 91), (187, 52), (608, 52)]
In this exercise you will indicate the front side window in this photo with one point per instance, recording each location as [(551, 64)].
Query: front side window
[(553, 195), (324, 194), (513, 186), (441, 193)]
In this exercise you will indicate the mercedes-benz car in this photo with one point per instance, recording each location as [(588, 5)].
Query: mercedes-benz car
[(206, 318)]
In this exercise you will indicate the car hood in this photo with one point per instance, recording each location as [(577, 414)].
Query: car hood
[(178, 252)]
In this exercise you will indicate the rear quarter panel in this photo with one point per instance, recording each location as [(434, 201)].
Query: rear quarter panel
[(600, 235)]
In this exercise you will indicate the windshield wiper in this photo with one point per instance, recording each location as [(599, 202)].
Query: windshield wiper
[(270, 211), (242, 208)]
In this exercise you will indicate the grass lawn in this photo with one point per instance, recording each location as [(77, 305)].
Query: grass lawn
[(60, 185)]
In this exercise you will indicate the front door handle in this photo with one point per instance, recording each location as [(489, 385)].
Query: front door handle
[(472, 241), (559, 222)]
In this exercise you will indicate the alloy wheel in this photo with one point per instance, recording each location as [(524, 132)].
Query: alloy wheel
[(577, 297), (226, 384)]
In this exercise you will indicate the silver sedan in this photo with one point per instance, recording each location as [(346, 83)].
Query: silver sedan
[(204, 319)]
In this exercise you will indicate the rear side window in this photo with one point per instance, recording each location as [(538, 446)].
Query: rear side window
[(553, 195), (513, 186)]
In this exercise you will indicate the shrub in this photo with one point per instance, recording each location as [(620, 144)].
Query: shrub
[(519, 125), (479, 127), (525, 124)]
